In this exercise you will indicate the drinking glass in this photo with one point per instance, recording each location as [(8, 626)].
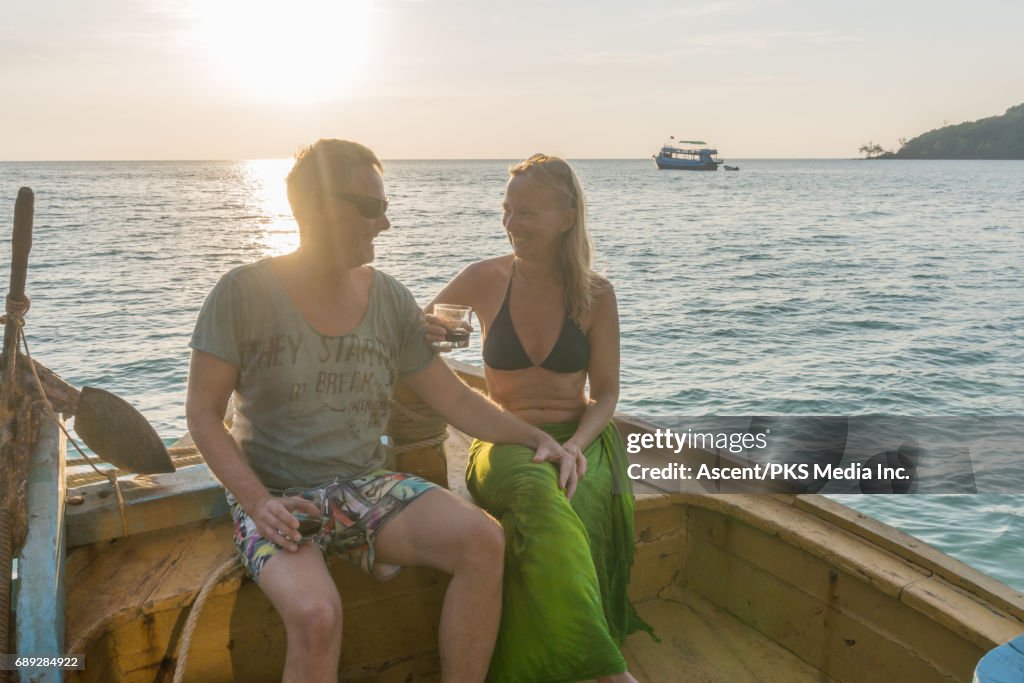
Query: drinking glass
[(309, 525), (457, 321)]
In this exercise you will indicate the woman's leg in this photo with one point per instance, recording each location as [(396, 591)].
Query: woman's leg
[(552, 625)]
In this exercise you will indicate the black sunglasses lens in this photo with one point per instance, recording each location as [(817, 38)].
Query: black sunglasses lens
[(372, 208)]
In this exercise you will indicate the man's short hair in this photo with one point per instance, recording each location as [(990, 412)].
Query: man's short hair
[(324, 166)]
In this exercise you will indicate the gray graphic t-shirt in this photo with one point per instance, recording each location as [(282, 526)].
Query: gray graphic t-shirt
[(309, 407)]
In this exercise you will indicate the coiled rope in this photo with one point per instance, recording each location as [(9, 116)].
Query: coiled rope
[(228, 567)]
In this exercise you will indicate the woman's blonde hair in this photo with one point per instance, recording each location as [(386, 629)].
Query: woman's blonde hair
[(577, 250)]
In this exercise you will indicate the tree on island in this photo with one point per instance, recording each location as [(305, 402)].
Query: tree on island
[(872, 150)]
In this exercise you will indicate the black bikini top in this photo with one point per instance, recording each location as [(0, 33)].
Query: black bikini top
[(504, 351)]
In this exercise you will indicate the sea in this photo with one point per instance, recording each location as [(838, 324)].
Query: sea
[(790, 287)]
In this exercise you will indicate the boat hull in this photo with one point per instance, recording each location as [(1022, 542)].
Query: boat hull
[(666, 164)]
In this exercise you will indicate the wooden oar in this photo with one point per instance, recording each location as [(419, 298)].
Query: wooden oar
[(112, 428)]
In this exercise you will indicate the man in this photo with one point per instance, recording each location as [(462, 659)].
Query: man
[(312, 343)]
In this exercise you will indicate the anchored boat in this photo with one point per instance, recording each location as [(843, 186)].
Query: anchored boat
[(687, 158), (138, 573)]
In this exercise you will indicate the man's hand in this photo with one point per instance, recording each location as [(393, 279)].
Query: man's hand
[(566, 459), (474, 414), (276, 523)]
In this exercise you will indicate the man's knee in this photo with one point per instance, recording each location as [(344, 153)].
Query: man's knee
[(483, 544), (314, 618)]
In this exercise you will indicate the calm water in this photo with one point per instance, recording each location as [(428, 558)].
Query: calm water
[(794, 287)]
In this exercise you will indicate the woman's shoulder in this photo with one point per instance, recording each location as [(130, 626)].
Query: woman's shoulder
[(602, 285), (603, 304), (602, 290), (482, 272)]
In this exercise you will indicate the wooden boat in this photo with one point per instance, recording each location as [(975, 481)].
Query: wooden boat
[(727, 167), (739, 587)]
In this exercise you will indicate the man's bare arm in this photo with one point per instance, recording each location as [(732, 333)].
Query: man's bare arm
[(475, 414), (210, 383)]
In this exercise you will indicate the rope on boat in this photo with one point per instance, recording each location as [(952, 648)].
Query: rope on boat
[(219, 573), (412, 423), (15, 315), (181, 457), (109, 475)]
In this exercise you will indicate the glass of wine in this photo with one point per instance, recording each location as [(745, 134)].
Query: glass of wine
[(457, 321), (309, 525)]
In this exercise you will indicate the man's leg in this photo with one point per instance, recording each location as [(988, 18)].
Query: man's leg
[(442, 531), (301, 589)]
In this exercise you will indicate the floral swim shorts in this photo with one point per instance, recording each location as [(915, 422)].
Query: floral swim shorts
[(358, 509)]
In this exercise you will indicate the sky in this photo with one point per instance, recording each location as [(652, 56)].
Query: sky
[(476, 79)]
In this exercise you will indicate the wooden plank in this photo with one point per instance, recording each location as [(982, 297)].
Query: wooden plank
[(816, 632), (914, 549), (949, 605), (701, 642), (660, 543), (139, 593), (40, 602), (159, 501), (655, 566), (796, 562), (836, 547), (875, 606)]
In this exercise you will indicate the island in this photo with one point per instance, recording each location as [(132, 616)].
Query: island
[(995, 137)]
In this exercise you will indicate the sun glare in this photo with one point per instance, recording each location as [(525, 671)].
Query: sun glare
[(263, 180), (287, 51)]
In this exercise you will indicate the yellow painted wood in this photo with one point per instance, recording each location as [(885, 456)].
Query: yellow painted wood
[(661, 542), (776, 551), (881, 611), (132, 606), (945, 604), (815, 631), (656, 565), (701, 642), (929, 559), (153, 502)]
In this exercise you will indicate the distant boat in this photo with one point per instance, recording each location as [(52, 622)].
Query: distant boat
[(727, 167), (687, 159)]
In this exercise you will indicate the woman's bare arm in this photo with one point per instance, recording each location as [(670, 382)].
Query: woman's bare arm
[(602, 371)]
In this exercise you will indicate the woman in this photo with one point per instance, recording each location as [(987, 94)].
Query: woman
[(550, 324)]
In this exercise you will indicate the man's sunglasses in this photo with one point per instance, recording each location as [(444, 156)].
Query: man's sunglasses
[(368, 207)]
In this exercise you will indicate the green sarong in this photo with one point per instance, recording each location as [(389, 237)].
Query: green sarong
[(565, 608)]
